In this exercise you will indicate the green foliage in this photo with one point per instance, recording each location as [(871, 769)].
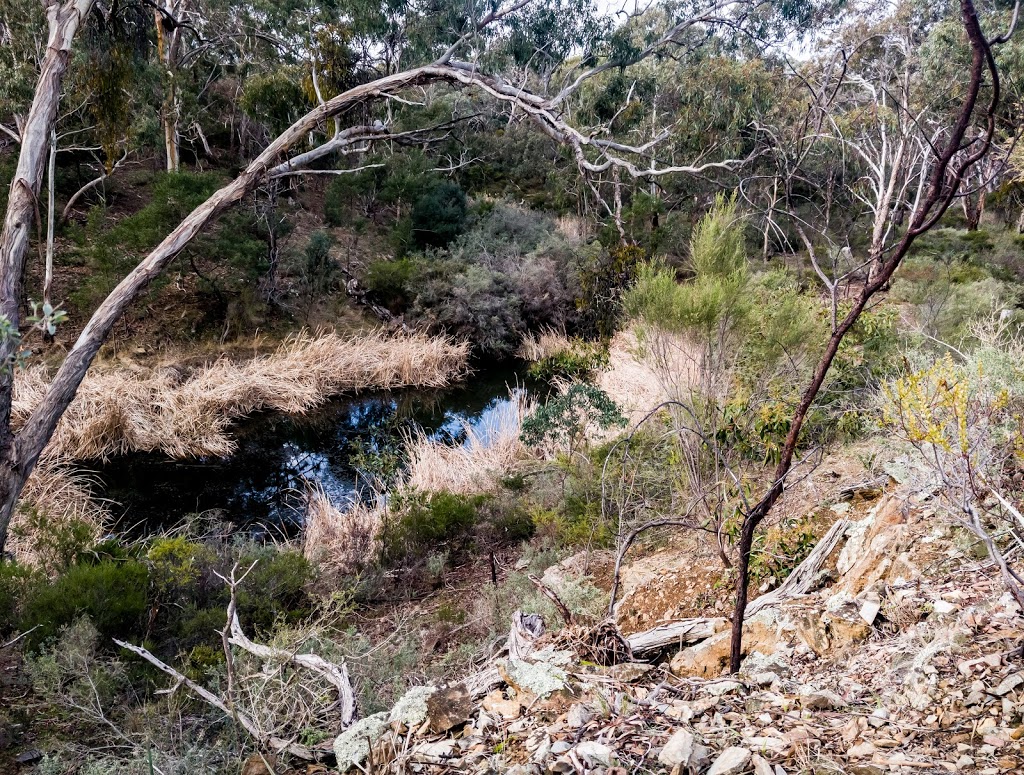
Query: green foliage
[(565, 419), (425, 522), (603, 276), (274, 99), (55, 544), (112, 593), (393, 283), (577, 362), (439, 215)]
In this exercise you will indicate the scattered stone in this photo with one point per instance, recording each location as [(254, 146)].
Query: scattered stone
[(448, 707), (627, 672), (861, 750), (732, 761), (496, 704), (820, 699), (411, 708), (595, 753), (258, 765), (761, 765), (353, 745), (682, 749), (579, 715), (720, 688), (1007, 685)]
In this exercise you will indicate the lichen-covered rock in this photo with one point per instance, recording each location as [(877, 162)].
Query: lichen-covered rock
[(411, 708), (352, 746), (540, 678), (448, 707)]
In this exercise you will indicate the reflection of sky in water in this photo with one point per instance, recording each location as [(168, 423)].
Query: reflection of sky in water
[(276, 455)]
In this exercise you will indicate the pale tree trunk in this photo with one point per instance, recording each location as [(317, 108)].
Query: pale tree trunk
[(51, 175), (63, 22), (166, 47)]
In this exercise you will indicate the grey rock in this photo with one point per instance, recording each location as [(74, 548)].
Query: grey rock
[(732, 761)]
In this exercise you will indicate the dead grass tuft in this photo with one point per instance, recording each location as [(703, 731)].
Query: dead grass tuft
[(549, 342), (60, 493), (475, 465), (339, 542), (122, 411), (634, 378)]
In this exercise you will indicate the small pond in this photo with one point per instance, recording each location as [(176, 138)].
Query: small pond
[(261, 486)]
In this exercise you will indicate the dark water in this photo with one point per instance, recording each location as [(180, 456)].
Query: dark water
[(260, 487)]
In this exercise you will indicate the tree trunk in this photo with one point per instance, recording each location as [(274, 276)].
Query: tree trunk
[(63, 22), (944, 182)]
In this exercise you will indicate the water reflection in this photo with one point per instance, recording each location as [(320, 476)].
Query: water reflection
[(262, 484)]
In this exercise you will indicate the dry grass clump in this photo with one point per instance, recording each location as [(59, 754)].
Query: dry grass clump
[(639, 376), (121, 411), (339, 542), (474, 466), (536, 347), (60, 493)]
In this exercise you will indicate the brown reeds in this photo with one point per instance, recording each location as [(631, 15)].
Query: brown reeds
[(61, 493), (121, 411), (475, 465), (340, 541)]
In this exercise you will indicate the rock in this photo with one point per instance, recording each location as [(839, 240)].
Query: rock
[(720, 688), (627, 672), (1007, 685), (815, 699), (441, 749), (353, 745), (732, 761), (879, 717), (579, 715), (683, 750), (761, 765), (861, 750), (30, 756), (943, 607), (448, 707), (258, 765), (540, 678), (411, 708), (595, 753), (559, 747), (496, 704)]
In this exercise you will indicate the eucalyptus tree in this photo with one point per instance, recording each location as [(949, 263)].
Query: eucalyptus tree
[(954, 150)]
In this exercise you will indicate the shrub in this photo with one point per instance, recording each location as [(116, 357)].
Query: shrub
[(393, 282), (112, 593), (275, 589), (565, 419), (578, 361), (425, 523), (439, 216)]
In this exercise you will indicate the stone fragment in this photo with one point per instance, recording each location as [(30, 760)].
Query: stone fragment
[(732, 761), (683, 750), (496, 704), (1007, 685), (761, 765), (861, 750), (820, 699), (353, 745), (720, 688), (594, 753), (627, 672), (579, 715), (448, 707)]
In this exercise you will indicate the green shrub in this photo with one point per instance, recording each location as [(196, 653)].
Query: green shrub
[(112, 593), (439, 216), (393, 283), (275, 589), (426, 523), (577, 362), (565, 419), (14, 581)]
